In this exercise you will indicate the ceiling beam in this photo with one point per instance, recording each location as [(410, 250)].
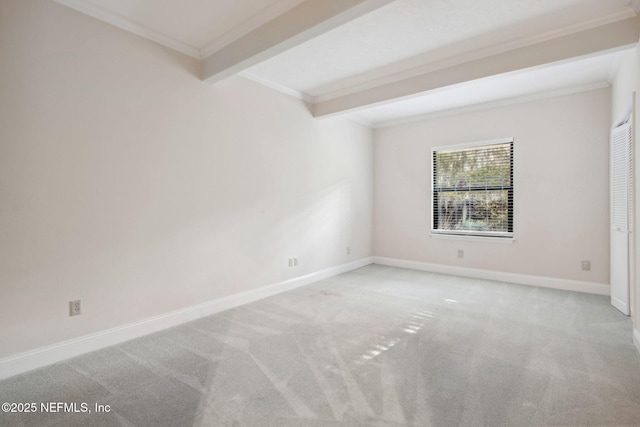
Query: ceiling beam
[(617, 35), (298, 25)]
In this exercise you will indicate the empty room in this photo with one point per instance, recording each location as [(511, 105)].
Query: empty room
[(319, 213)]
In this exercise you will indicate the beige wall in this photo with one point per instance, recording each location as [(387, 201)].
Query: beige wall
[(561, 188), (129, 183)]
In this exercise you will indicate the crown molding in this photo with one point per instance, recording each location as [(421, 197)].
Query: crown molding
[(615, 65), (494, 104), (133, 27), (278, 87), (616, 36), (428, 67), (299, 95), (255, 21), (354, 117), (124, 23), (298, 25)]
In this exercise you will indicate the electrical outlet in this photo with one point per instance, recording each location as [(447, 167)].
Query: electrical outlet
[(75, 307), (348, 250), (295, 262), (460, 253), (586, 265)]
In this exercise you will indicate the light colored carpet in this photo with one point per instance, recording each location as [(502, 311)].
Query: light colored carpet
[(378, 346)]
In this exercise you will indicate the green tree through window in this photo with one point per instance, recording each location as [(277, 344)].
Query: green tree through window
[(473, 189)]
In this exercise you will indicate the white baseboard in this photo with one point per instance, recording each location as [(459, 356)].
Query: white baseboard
[(523, 279), (44, 356), (636, 338)]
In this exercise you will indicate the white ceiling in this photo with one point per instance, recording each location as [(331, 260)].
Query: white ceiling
[(194, 27), (409, 33), (398, 40), (552, 80)]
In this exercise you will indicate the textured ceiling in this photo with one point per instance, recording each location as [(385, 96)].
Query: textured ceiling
[(562, 78), (411, 33), (393, 42), (198, 25)]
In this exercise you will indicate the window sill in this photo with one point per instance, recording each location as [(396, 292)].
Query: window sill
[(487, 239)]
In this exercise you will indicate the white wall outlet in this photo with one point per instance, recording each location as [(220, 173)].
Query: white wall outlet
[(460, 253), (348, 250), (295, 262), (75, 307), (586, 265)]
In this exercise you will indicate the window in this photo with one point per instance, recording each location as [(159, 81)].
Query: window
[(473, 189)]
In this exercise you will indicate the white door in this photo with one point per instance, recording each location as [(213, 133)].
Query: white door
[(621, 214)]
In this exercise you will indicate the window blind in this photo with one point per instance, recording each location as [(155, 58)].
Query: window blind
[(473, 189)]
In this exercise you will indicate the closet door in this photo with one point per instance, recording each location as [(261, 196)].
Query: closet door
[(621, 214)]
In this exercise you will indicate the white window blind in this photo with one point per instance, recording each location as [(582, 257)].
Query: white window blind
[(473, 189)]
